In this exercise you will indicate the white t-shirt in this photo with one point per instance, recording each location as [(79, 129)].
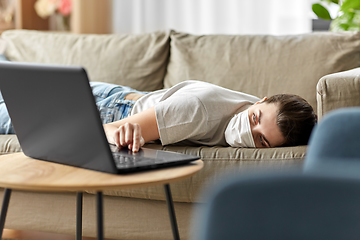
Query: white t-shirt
[(194, 111)]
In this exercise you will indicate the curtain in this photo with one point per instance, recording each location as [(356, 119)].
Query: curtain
[(277, 17)]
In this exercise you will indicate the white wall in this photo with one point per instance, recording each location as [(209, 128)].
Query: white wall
[(213, 16)]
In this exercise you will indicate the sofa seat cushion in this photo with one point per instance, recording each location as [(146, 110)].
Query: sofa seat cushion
[(9, 144), (219, 163), (135, 60), (262, 65)]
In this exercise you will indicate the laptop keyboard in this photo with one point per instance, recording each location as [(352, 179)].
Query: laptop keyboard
[(125, 161)]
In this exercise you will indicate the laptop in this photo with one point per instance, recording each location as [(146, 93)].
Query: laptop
[(55, 118)]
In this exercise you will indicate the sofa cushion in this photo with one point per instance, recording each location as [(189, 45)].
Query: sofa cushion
[(9, 144), (219, 163), (262, 65), (135, 60)]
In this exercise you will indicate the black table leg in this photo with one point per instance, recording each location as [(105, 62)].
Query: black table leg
[(4, 208), (171, 210), (79, 207), (100, 219)]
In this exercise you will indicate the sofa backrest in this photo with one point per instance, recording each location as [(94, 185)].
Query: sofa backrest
[(262, 65), (135, 60)]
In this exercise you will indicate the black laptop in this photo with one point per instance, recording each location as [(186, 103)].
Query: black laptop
[(56, 119)]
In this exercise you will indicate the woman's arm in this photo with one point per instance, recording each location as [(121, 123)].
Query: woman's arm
[(133, 131)]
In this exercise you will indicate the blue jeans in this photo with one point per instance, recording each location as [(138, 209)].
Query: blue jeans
[(110, 101)]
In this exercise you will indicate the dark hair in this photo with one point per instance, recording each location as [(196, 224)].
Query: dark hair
[(295, 119)]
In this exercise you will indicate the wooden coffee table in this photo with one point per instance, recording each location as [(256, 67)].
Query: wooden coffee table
[(20, 172)]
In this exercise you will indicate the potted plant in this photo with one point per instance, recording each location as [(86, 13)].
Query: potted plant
[(347, 18), (58, 10)]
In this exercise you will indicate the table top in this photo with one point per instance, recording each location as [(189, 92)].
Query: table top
[(20, 172)]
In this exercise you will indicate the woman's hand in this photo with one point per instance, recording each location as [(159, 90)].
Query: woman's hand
[(129, 135), (133, 131)]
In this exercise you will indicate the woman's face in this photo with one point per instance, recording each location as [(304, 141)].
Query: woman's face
[(263, 125)]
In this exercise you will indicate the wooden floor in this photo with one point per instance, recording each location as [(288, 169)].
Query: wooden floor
[(32, 235)]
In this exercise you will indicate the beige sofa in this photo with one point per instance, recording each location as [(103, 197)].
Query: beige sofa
[(255, 64)]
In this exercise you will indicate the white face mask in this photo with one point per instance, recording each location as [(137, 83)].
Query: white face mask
[(238, 131)]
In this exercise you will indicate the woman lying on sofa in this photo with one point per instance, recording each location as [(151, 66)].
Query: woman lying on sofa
[(199, 113), (206, 114)]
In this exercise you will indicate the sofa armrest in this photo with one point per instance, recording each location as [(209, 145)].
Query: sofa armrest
[(338, 90)]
